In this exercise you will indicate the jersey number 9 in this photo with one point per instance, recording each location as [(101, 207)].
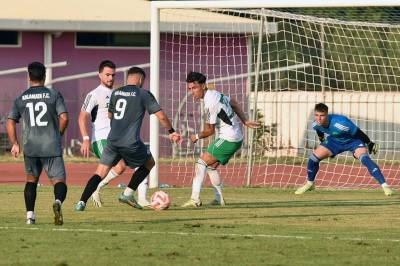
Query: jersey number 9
[(120, 106)]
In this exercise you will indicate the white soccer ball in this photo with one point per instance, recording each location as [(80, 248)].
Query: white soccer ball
[(160, 200)]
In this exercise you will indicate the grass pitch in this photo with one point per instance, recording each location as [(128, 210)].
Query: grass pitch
[(257, 227)]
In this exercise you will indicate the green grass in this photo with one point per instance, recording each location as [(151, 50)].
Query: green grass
[(257, 227)]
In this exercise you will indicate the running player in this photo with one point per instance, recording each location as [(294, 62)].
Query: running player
[(126, 110), (95, 109), (228, 111), (45, 120), (343, 135)]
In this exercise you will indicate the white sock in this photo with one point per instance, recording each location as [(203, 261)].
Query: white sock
[(128, 191), (384, 185), (310, 182), (216, 182), (142, 190), (110, 176), (201, 168), (30, 215)]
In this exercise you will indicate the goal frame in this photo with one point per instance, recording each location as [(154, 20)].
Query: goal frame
[(156, 6)]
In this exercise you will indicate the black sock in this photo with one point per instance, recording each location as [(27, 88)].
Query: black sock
[(30, 196), (60, 191), (91, 187), (138, 176)]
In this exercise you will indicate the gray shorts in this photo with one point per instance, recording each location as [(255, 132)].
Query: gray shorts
[(54, 166), (134, 156)]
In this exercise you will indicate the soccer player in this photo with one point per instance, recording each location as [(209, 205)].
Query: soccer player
[(126, 110), (228, 111), (45, 119), (95, 109), (343, 135)]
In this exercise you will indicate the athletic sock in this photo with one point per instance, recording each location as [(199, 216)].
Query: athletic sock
[(201, 168), (373, 168), (30, 196), (216, 182), (142, 189), (60, 191), (90, 187), (312, 167), (138, 176), (110, 176)]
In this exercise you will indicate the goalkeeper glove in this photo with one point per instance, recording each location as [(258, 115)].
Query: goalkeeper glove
[(321, 139), (373, 148)]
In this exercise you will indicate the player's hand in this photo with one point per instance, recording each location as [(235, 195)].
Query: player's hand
[(15, 150), (194, 138), (85, 148), (252, 124), (373, 148), (175, 137)]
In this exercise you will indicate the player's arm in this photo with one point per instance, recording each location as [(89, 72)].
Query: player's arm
[(63, 121), (372, 147), (321, 135), (165, 122), (12, 135), (239, 112), (209, 130), (83, 121)]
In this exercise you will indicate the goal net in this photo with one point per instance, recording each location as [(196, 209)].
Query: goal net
[(278, 64)]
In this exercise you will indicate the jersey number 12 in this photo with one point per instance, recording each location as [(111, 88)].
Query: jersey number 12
[(40, 107)]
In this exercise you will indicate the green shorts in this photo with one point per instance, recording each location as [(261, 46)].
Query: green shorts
[(223, 150), (98, 147)]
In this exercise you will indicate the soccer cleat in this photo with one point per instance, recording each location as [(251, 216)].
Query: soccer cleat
[(30, 221), (144, 203), (306, 187), (58, 217), (130, 200), (387, 190), (80, 206), (192, 203), (96, 199), (216, 202)]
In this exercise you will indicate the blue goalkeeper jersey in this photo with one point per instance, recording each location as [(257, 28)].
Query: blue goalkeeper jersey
[(341, 128)]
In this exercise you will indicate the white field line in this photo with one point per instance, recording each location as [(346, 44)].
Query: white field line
[(195, 234)]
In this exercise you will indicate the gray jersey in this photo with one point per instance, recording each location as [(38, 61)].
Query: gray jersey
[(39, 108), (128, 105)]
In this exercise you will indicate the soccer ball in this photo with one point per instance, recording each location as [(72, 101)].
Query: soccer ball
[(160, 201)]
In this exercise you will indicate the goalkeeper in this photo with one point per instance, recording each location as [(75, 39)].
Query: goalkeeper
[(343, 135)]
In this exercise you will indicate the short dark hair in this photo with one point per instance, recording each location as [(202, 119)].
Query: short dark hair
[(136, 70), (37, 71), (106, 63), (321, 107), (195, 77)]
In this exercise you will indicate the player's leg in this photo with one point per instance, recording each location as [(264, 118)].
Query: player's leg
[(200, 169), (320, 153), (55, 169), (136, 156), (137, 178), (33, 168), (373, 169), (142, 193), (113, 173), (223, 151), (217, 185)]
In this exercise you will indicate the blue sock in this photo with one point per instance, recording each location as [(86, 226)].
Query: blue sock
[(312, 167), (373, 168)]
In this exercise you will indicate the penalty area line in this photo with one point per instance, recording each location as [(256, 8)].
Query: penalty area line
[(196, 234)]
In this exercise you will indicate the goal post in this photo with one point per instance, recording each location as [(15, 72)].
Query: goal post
[(278, 64)]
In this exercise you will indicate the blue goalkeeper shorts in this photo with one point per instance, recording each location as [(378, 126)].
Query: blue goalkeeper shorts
[(337, 147)]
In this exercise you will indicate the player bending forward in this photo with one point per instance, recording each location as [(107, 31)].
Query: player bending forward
[(343, 135), (126, 110), (217, 106)]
